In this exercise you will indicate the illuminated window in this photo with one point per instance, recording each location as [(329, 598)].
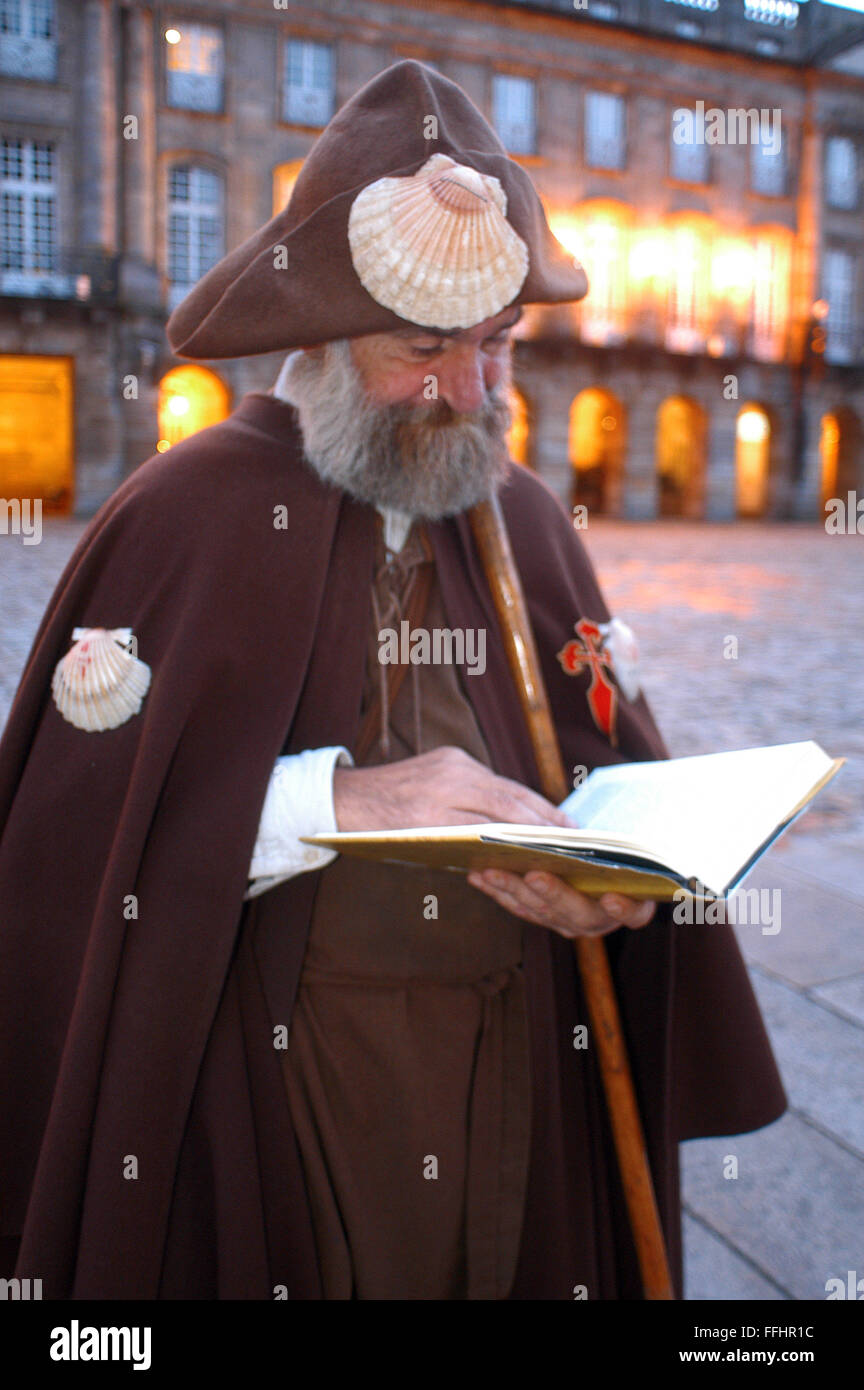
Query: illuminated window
[(604, 130), (194, 67), (689, 303), (513, 107), (597, 233), (841, 172), (195, 227), (688, 159), (307, 92), (28, 38), (772, 272), (752, 460), (838, 290), (519, 434)]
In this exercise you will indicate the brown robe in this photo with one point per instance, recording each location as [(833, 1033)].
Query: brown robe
[(153, 1035), (407, 1069)]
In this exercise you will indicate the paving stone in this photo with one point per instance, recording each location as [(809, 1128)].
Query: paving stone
[(821, 1058), (847, 996), (712, 1270), (821, 934), (796, 1210)]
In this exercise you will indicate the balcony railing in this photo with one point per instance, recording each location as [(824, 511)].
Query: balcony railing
[(81, 273)]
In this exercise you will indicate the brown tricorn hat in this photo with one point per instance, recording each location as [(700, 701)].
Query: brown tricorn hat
[(407, 210)]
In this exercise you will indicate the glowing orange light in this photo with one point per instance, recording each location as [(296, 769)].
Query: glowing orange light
[(752, 426), (732, 270), (178, 405), (568, 232), (162, 445), (649, 256)]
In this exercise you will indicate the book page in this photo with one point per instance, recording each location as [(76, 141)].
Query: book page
[(707, 815)]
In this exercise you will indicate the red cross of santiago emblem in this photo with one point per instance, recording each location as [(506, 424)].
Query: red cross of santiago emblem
[(586, 651)]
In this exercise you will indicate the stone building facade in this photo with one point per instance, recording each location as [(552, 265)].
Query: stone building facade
[(703, 158)]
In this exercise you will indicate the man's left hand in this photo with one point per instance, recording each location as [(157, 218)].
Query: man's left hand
[(549, 901)]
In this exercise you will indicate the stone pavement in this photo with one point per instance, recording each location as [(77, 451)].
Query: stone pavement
[(792, 597)]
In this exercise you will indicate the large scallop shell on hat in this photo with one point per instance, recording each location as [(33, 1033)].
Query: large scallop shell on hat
[(99, 684), (436, 247)]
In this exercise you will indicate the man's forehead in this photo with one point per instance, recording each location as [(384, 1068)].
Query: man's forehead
[(506, 319)]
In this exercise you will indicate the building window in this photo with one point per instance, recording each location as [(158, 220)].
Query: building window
[(604, 130), (689, 309), (28, 215), (602, 238), (838, 290), (841, 172), (307, 93), (194, 67), (688, 160), (513, 106), (768, 168), (195, 227), (28, 38), (772, 271)]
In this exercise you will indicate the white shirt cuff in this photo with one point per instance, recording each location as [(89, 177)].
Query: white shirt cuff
[(299, 801)]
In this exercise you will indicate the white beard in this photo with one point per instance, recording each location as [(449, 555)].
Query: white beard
[(426, 460)]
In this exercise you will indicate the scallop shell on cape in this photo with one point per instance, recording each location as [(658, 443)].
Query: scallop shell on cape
[(99, 684), (436, 247)]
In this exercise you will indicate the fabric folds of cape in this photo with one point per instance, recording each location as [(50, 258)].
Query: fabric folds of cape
[(145, 1144)]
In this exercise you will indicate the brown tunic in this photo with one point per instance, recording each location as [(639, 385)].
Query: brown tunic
[(407, 1066)]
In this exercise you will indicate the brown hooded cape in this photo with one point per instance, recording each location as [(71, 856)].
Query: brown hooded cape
[(152, 1036)]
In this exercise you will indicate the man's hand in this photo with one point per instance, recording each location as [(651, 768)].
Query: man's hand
[(449, 787), (444, 787), (548, 901)]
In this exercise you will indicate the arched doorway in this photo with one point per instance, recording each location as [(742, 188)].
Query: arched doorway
[(680, 455), (597, 438), (752, 460), (519, 433), (190, 399), (840, 453)]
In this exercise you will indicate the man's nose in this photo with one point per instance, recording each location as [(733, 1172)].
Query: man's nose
[(460, 379)]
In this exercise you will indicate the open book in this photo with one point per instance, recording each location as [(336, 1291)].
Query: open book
[(647, 829)]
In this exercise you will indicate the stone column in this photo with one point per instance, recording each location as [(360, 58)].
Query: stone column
[(139, 154), (720, 504), (98, 129), (639, 495), (806, 505)]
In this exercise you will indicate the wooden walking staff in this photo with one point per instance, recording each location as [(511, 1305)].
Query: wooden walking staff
[(490, 533)]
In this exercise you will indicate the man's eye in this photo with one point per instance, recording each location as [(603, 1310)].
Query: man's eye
[(498, 342), (427, 351)]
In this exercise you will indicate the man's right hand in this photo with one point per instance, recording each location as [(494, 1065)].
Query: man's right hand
[(444, 787)]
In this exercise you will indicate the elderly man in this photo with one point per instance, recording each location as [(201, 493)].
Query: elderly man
[(233, 1065)]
